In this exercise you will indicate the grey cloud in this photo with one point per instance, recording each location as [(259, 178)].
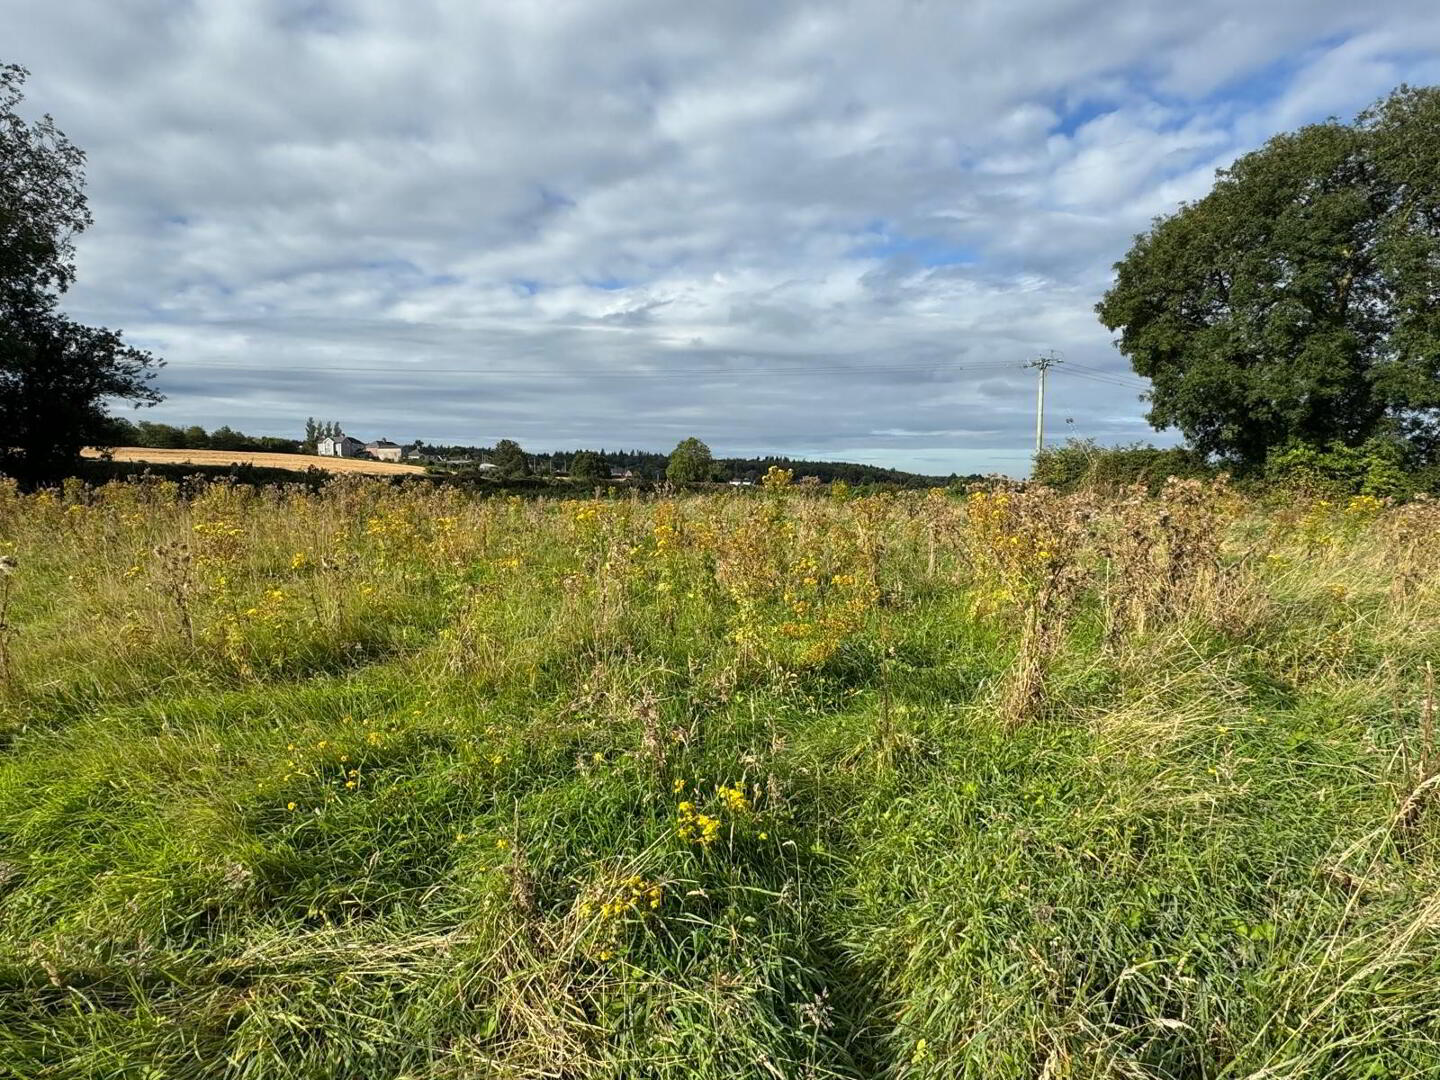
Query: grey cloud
[(790, 228)]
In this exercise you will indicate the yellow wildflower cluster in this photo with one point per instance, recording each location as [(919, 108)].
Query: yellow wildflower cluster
[(776, 477), (692, 825), (635, 893), (733, 798)]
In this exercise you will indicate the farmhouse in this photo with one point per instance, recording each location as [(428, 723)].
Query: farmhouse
[(385, 450), (339, 446)]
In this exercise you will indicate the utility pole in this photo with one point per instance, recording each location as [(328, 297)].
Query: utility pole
[(1043, 363)]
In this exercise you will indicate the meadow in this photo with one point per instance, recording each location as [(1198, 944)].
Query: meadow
[(395, 781)]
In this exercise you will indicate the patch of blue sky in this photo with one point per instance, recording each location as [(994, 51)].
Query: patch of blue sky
[(923, 250), (610, 284)]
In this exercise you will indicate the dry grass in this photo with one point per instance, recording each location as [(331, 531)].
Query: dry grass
[(298, 462)]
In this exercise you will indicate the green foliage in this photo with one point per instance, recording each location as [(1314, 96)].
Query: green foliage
[(1083, 464), (1298, 302), (586, 465), (118, 431), (690, 463), (1378, 467), (56, 376), (509, 460), (315, 430)]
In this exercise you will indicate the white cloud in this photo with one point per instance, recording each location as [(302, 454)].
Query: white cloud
[(790, 228)]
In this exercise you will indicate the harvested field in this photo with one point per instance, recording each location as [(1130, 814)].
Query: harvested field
[(298, 462)]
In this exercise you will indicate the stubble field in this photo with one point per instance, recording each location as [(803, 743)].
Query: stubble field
[(299, 462)]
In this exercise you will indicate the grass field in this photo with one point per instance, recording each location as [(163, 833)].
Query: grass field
[(387, 782), (300, 462)]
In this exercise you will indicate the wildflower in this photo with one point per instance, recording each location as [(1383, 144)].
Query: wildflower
[(290, 806), (502, 843), (678, 786), (733, 798), (694, 826)]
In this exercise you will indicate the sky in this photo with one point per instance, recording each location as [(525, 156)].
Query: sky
[(830, 230)]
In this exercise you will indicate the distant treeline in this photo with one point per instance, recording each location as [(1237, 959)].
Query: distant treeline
[(646, 465), (123, 432)]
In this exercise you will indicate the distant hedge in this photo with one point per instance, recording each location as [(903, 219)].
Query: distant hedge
[(1083, 464)]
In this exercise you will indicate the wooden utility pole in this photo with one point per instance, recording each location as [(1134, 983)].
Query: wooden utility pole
[(1043, 363)]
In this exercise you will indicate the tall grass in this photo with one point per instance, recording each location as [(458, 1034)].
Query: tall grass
[(395, 782)]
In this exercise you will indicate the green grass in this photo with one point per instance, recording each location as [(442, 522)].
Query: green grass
[(1188, 863)]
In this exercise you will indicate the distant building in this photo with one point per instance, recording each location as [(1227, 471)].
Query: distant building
[(339, 446), (384, 450), (617, 473)]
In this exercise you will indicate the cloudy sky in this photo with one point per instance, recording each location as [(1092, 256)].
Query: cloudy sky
[(824, 229)]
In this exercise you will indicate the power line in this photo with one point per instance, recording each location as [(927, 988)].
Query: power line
[(1101, 380), (1116, 375), (985, 367)]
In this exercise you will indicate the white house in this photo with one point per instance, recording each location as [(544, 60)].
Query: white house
[(338, 446)]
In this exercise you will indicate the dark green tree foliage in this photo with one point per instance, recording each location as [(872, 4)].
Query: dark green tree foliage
[(690, 463), (121, 432), (509, 460), (586, 465), (56, 376), (1298, 302)]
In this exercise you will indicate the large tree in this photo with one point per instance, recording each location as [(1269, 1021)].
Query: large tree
[(586, 465), (1299, 301), (690, 462), (56, 377), (509, 459)]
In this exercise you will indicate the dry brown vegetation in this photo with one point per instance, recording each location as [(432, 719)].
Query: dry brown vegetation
[(298, 462)]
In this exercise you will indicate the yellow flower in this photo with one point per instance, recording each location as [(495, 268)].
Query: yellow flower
[(290, 806)]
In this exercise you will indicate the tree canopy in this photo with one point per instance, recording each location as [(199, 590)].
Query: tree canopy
[(690, 462), (586, 465), (509, 459), (1298, 303), (56, 376)]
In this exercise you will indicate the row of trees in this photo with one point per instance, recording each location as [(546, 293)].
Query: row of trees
[(123, 432)]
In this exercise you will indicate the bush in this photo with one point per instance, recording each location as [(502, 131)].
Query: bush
[(1082, 463), (1377, 467)]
